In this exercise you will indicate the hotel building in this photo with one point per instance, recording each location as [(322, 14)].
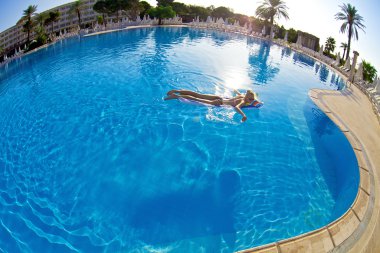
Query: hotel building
[(14, 37)]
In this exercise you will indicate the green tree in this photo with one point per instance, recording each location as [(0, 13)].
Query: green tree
[(41, 36), (369, 72), (161, 12), (76, 8), (271, 9), (292, 35), (180, 8), (27, 20), (134, 7), (117, 6), (241, 18), (211, 8), (164, 3), (200, 11), (329, 45), (145, 6), (41, 18), (222, 12), (352, 22), (344, 46), (53, 17), (281, 32), (102, 7), (100, 20)]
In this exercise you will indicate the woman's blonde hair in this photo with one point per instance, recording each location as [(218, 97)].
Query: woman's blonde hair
[(250, 92)]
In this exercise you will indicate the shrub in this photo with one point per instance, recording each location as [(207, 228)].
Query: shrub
[(292, 35), (369, 72), (280, 32)]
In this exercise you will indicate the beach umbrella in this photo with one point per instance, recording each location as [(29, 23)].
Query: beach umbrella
[(359, 73), (321, 50), (299, 40), (337, 61), (250, 28), (347, 65), (272, 32)]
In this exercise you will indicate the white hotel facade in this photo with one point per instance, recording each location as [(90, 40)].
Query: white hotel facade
[(14, 37)]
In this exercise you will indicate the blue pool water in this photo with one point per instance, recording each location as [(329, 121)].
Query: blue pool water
[(92, 159)]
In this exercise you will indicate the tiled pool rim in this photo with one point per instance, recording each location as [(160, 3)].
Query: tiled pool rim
[(341, 234)]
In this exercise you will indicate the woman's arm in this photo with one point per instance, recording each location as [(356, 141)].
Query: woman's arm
[(237, 92), (238, 109)]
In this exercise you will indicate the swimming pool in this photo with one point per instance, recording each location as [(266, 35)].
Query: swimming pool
[(92, 159)]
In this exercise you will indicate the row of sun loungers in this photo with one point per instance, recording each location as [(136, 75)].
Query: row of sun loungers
[(18, 53), (372, 90), (127, 23)]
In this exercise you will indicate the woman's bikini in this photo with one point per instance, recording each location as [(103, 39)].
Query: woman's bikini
[(233, 101)]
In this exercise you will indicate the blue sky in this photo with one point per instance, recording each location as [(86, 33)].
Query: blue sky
[(312, 16)]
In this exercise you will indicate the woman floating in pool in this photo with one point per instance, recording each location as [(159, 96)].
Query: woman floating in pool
[(238, 102)]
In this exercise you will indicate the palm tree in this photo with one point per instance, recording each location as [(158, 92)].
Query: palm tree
[(330, 45), (344, 46), (41, 18), (76, 8), (103, 8), (352, 21), (270, 9), (27, 20), (53, 17)]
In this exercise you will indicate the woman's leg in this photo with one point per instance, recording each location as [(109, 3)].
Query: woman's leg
[(202, 100), (194, 94)]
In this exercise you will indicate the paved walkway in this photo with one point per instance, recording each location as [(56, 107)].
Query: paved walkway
[(355, 110)]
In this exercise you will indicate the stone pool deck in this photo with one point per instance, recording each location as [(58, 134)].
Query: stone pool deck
[(358, 230), (352, 112)]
